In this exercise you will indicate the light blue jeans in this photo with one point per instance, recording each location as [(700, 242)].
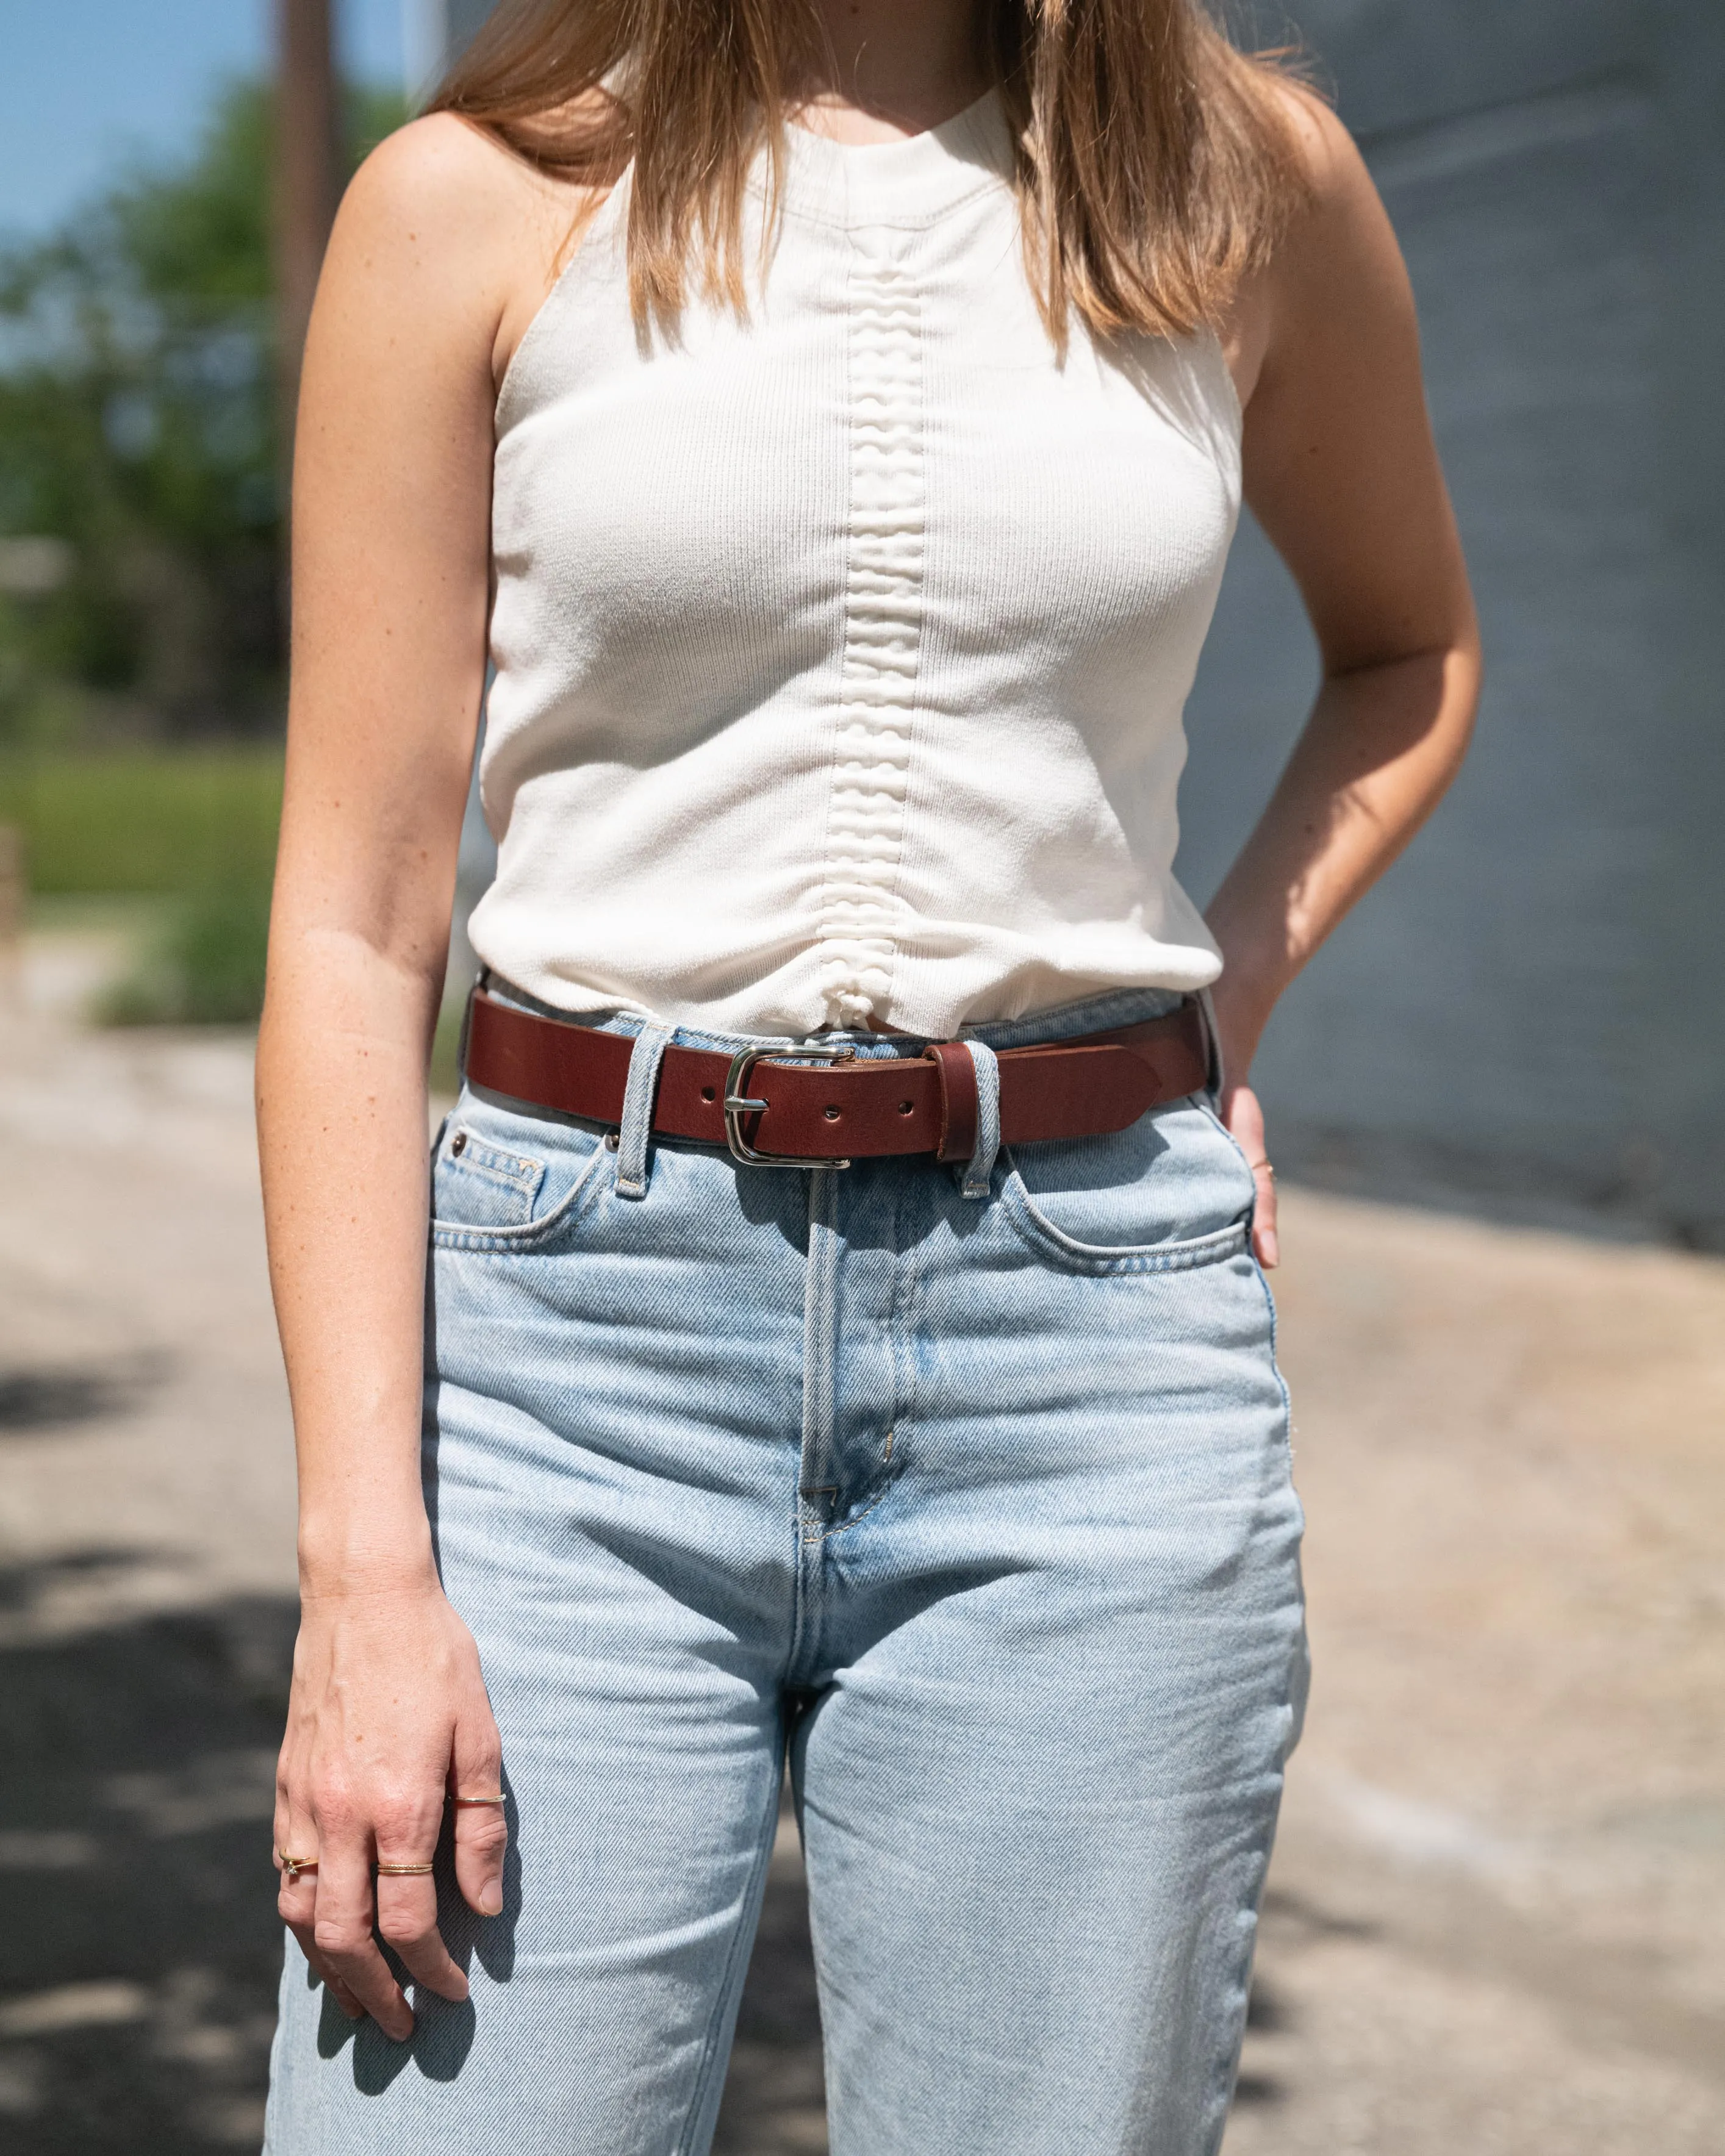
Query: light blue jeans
[(975, 1509)]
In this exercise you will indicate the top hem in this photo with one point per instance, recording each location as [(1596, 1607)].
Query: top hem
[(1120, 1003)]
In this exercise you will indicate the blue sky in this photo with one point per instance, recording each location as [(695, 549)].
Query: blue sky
[(83, 82)]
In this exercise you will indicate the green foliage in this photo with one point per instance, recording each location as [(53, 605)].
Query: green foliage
[(206, 967), (139, 424), (195, 827), (138, 428), (175, 823)]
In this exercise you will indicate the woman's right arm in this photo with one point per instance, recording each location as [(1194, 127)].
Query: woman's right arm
[(432, 263)]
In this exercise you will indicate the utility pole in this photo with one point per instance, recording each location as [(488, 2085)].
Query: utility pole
[(308, 181)]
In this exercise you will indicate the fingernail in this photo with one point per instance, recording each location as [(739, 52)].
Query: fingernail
[(400, 2036), (1272, 1254), (491, 1901)]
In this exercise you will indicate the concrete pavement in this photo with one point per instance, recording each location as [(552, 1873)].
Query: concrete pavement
[(1492, 1922)]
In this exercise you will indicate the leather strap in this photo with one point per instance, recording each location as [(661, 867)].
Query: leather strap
[(868, 1108), (959, 1106)]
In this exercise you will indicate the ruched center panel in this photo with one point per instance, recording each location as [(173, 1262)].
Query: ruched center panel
[(883, 635)]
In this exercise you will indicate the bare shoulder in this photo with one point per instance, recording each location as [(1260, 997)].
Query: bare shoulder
[(444, 179), (1328, 155), (1339, 240), (451, 229), (1336, 272)]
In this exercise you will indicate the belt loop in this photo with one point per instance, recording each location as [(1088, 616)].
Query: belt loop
[(979, 1175), (638, 1097)]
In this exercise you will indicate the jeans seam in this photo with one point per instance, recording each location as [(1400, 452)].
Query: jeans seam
[(819, 1405), (882, 1492), (1224, 2065), (1206, 1105), (900, 1321), (1301, 1661), (728, 1984), (1288, 1398)]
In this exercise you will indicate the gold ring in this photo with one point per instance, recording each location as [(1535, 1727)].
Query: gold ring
[(1268, 1167), (404, 1871), (292, 1866), (498, 1799)]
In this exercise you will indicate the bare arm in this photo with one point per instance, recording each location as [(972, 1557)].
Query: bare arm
[(391, 583), (1341, 471)]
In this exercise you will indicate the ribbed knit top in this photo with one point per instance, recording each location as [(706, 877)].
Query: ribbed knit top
[(841, 651)]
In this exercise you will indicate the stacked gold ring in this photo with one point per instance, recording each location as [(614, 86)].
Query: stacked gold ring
[(292, 1866)]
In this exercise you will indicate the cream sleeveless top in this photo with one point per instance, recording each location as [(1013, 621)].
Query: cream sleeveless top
[(841, 652)]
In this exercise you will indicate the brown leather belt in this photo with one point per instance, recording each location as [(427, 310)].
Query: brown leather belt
[(832, 1106)]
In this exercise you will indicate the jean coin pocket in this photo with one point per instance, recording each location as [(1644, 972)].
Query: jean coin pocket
[(499, 1178)]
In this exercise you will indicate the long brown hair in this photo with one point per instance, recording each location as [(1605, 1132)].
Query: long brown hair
[(1155, 163)]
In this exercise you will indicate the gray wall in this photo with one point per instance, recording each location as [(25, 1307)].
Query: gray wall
[(463, 17), (1528, 1014), (434, 31)]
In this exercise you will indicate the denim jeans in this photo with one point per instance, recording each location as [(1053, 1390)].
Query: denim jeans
[(974, 1509)]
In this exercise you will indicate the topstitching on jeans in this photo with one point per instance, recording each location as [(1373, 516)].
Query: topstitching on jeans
[(1097, 1258), (814, 1451), (532, 1235), (843, 1480), (713, 2054)]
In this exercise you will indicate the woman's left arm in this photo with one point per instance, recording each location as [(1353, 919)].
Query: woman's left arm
[(1341, 472)]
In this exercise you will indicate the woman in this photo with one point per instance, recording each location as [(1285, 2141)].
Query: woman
[(844, 1339)]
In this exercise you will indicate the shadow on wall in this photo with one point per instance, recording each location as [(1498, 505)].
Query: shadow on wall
[(1526, 1019)]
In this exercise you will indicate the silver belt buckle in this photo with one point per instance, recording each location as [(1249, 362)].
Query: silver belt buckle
[(737, 1104)]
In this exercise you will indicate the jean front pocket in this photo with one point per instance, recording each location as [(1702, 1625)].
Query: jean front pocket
[(1170, 1192), (503, 1180)]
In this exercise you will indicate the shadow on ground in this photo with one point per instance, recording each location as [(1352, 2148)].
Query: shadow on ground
[(775, 2099), (139, 1947), (53, 1398)]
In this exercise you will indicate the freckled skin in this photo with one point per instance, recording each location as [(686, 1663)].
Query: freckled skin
[(444, 250)]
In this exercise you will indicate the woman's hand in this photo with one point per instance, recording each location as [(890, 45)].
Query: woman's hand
[(1240, 1013), (388, 1718), (1244, 1117)]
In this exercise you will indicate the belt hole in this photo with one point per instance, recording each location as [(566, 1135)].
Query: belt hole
[(709, 1093), (907, 1108), (831, 1114)]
